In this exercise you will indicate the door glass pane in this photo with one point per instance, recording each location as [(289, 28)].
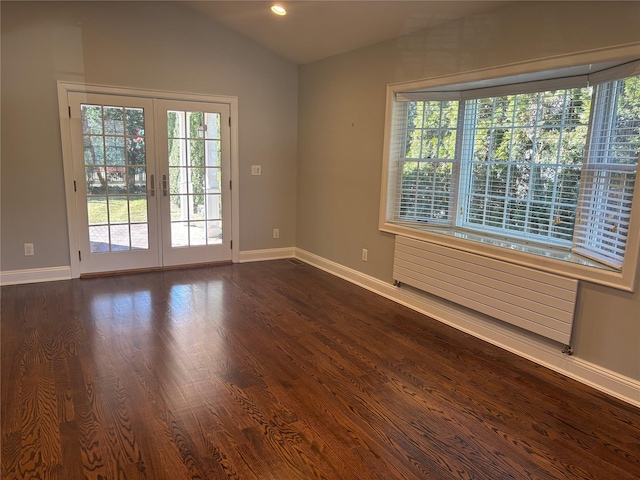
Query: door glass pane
[(138, 209), (214, 207), (137, 180), (214, 232), (214, 180), (91, 119), (213, 153), (120, 238), (212, 121), (93, 150), (179, 207), (114, 147), (116, 177), (114, 120), (117, 183), (194, 177), (197, 185), (176, 149), (179, 234), (195, 123), (96, 180), (139, 236), (97, 210), (135, 121), (136, 152), (197, 233), (196, 153), (118, 209), (99, 239)]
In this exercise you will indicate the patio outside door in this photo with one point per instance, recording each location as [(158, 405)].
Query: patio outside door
[(151, 181)]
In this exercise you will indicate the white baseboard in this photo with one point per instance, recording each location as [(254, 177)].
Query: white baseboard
[(266, 254), (35, 275), (536, 349), (52, 274)]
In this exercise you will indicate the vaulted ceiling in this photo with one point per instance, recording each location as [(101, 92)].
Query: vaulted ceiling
[(313, 30)]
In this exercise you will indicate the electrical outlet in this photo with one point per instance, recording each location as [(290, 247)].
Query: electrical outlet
[(276, 233), (256, 170), (28, 249), (365, 254)]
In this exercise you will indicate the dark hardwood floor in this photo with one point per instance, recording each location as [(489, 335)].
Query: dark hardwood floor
[(280, 371)]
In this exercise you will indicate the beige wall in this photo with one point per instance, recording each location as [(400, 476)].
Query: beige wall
[(150, 45), (341, 123)]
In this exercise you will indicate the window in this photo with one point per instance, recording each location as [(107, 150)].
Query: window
[(610, 176), (429, 160), (545, 167)]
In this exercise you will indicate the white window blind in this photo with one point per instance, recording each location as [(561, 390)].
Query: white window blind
[(425, 158), (522, 159), (610, 177)]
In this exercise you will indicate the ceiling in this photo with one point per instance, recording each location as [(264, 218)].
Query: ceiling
[(313, 30)]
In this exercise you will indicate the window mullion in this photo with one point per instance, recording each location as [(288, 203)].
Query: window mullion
[(424, 115), (457, 167), (510, 164), (554, 206), (434, 183), (532, 163), (469, 122), (416, 204), (609, 110), (488, 161)]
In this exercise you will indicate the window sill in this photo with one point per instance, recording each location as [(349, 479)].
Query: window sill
[(549, 259)]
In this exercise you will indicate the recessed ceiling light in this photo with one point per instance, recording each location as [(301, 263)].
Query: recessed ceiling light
[(278, 10)]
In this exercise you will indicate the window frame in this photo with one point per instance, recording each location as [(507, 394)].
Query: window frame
[(555, 73)]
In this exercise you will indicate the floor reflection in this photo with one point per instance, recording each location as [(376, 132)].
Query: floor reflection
[(168, 328)]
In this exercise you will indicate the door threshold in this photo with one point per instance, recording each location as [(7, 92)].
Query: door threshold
[(154, 269)]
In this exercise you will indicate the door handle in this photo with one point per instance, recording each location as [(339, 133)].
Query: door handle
[(164, 185), (153, 186)]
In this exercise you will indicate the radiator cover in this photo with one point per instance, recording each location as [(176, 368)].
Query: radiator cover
[(537, 301)]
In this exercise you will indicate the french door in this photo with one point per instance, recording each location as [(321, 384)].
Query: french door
[(195, 181), (151, 181)]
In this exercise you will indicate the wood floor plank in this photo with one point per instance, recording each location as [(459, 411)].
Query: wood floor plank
[(273, 370)]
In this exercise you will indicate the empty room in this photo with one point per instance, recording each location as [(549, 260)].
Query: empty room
[(333, 239)]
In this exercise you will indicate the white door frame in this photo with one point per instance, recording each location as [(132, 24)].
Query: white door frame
[(67, 155)]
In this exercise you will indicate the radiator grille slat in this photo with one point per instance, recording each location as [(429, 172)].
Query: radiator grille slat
[(540, 302)]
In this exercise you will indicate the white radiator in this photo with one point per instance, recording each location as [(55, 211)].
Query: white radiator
[(540, 302)]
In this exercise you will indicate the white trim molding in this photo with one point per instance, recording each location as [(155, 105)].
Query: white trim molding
[(266, 254), (35, 275), (535, 349)]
